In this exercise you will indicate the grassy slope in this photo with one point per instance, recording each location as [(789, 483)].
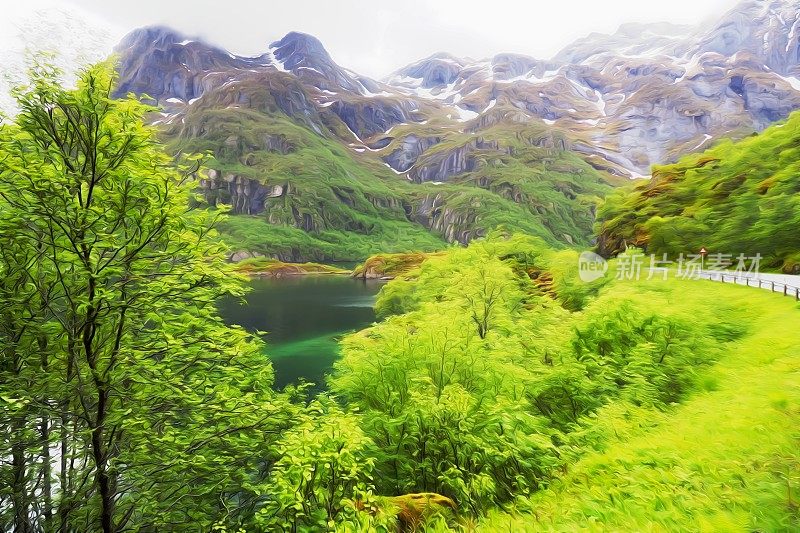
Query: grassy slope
[(320, 172), (724, 460), (254, 233), (358, 207), (390, 265), (534, 189), (734, 198)]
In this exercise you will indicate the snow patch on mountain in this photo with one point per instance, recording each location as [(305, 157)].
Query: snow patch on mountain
[(793, 81)]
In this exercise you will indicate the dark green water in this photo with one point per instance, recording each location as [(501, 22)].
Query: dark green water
[(303, 317)]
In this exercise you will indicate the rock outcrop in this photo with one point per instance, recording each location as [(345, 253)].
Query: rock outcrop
[(769, 30), (443, 164), (369, 116), (246, 196), (455, 224), (410, 148), (389, 266)]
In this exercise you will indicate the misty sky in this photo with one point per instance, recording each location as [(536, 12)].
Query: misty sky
[(375, 38)]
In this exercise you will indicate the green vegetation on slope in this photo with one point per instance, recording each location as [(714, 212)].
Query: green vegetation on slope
[(390, 265), (272, 268), (734, 198), (549, 191), (257, 236), (725, 460), (300, 194), (500, 381), (328, 207)]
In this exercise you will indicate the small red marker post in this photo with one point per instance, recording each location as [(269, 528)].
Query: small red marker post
[(703, 254)]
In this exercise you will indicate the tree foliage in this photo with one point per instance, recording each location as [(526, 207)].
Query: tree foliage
[(129, 403), (735, 198), (484, 377)]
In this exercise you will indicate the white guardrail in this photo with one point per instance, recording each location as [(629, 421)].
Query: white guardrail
[(771, 282)]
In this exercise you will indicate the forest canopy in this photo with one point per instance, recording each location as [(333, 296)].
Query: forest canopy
[(735, 198)]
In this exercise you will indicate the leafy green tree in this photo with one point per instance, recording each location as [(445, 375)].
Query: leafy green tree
[(489, 374), (325, 461), (438, 388), (130, 404)]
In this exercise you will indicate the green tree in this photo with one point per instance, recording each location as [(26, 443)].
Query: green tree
[(130, 404), (325, 461)]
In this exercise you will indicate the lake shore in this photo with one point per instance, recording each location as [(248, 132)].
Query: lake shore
[(263, 267), (384, 266)]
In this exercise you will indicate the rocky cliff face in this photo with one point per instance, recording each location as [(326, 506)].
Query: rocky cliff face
[(769, 30), (645, 94), (246, 196), (446, 163), (164, 64), (455, 224), (368, 117), (406, 154)]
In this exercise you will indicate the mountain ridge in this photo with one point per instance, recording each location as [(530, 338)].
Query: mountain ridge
[(591, 87), (288, 153), (453, 146)]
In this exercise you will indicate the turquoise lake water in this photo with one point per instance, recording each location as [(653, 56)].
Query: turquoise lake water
[(303, 316)]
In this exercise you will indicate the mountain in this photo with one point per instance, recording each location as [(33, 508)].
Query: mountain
[(736, 198), (324, 164), (445, 149), (644, 95)]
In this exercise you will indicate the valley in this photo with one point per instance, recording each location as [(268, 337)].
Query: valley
[(268, 293)]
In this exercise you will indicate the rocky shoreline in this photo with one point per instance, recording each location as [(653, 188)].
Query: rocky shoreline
[(377, 267), (264, 267)]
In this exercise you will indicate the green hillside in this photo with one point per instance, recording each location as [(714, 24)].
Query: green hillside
[(299, 194), (333, 208), (652, 405), (735, 198), (725, 459)]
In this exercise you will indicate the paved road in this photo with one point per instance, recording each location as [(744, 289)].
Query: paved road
[(765, 281)]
